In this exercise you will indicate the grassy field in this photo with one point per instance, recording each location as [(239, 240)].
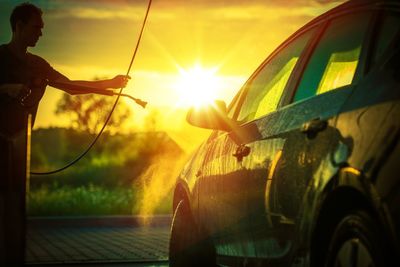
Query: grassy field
[(122, 175), (91, 200)]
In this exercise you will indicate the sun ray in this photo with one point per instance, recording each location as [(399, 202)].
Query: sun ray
[(197, 86)]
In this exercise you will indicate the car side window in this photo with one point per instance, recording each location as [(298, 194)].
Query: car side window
[(266, 87), (334, 61), (388, 29)]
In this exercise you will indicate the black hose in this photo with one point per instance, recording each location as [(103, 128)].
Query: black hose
[(142, 103)]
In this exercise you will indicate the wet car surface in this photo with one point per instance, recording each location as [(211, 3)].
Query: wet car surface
[(302, 167)]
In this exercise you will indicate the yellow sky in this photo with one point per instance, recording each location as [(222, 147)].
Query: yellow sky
[(87, 39)]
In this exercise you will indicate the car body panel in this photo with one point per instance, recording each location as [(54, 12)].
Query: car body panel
[(304, 165)]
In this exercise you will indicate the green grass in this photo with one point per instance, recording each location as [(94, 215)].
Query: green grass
[(125, 174), (87, 201)]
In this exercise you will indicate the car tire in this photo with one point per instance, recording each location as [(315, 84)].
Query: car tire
[(186, 247), (356, 242)]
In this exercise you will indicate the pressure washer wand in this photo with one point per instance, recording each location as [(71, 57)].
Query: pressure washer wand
[(90, 90), (111, 93), (138, 101)]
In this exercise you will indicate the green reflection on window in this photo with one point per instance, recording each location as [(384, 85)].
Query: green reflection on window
[(339, 71), (275, 88), (334, 61)]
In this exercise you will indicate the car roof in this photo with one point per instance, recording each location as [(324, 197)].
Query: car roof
[(352, 5), (347, 7)]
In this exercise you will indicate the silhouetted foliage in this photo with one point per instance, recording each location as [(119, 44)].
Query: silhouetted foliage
[(116, 160), (89, 112)]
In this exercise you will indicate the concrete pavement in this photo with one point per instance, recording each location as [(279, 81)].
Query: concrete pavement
[(119, 241)]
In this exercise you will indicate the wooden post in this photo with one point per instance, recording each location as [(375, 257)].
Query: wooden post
[(14, 160), (28, 156)]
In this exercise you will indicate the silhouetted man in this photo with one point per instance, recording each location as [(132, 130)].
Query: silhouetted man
[(23, 78)]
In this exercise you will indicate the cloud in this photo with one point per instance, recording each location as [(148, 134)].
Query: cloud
[(164, 10), (96, 13)]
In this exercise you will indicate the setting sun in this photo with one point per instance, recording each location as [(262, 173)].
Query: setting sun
[(197, 86)]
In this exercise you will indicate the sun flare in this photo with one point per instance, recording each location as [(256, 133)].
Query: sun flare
[(197, 86)]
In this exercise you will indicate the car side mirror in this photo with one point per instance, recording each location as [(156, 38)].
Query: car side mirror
[(212, 116)]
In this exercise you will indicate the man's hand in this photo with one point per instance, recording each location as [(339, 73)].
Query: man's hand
[(119, 81)]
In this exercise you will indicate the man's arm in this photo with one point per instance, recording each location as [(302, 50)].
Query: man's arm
[(114, 83), (71, 87), (74, 87), (58, 80)]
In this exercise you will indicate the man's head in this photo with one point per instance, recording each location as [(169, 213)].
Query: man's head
[(26, 23)]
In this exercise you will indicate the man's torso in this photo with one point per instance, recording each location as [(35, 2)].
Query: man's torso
[(31, 71)]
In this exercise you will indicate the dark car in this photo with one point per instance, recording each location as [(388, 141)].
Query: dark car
[(303, 167)]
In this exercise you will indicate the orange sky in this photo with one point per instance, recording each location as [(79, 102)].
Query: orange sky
[(87, 39)]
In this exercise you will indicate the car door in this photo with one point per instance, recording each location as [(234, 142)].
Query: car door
[(227, 183), (371, 116), (312, 147)]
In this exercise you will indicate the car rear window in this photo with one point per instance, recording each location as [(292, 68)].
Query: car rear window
[(389, 28), (334, 61)]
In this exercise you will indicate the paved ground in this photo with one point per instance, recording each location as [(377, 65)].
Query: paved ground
[(105, 264), (68, 243)]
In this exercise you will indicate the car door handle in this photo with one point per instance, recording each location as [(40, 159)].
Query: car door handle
[(241, 152), (313, 127)]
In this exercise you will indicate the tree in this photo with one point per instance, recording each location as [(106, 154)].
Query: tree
[(88, 112)]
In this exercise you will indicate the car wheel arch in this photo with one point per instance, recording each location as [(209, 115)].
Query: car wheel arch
[(181, 192), (348, 190)]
